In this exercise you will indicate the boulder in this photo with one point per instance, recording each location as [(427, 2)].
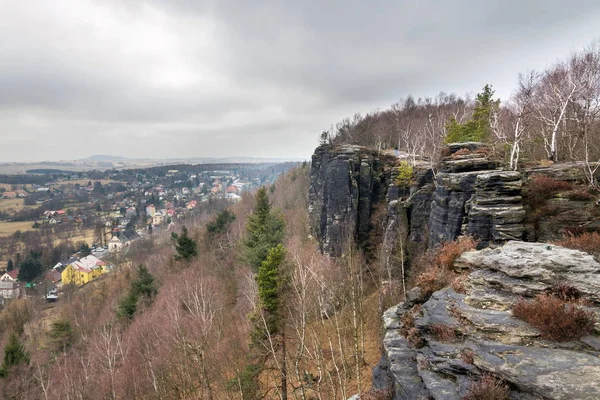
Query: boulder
[(485, 338)]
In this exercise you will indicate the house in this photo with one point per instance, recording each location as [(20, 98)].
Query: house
[(121, 240), (10, 276), (233, 197), (83, 271), (9, 290), (114, 244), (53, 276), (191, 204), (130, 212), (232, 189), (60, 266), (21, 194), (9, 195), (77, 274), (150, 210), (158, 218)]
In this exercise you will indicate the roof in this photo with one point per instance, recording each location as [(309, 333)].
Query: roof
[(128, 235), (13, 274), (80, 267), (53, 275), (91, 261)]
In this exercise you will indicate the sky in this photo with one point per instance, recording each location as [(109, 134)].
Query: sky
[(217, 78)]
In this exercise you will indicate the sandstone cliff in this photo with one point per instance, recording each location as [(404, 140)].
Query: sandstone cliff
[(466, 194)]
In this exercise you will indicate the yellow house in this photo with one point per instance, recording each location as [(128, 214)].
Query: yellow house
[(77, 274), (83, 271)]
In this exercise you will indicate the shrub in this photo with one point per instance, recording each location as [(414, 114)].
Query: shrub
[(450, 251), (442, 332), (565, 292), (374, 394), (461, 152), (467, 356), (587, 241), (556, 319), (579, 195), (439, 273), (487, 388), (458, 284), (405, 175), (408, 329), (540, 187), (433, 279)]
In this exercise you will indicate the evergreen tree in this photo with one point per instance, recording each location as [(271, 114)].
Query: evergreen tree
[(265, 230), (18, 260), (477, 129), (269, 282), (143, 287), (85, 250), (222, 223), (185, 246), (9, 265), (30, 269), (14, 354)]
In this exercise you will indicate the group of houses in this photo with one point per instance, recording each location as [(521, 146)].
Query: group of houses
[(20, 194)]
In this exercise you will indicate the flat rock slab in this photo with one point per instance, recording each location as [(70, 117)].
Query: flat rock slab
[(539, 263)]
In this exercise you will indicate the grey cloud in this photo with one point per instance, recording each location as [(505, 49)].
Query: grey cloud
[(239, 77)]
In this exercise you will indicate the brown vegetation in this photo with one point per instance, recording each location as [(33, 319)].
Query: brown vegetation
[(438, 274), (487, 388), (442, 332), (587, 241), (539, 188), (556, 319)]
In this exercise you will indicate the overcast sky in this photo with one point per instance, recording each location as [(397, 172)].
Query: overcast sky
[(187, 78)]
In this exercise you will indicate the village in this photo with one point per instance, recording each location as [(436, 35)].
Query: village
[(76, 225)]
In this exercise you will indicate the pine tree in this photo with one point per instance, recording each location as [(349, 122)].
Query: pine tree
[(143, 287), (30, 269), (14, 354), (9, 265), (477, 129), (185, 246), (264, 231), (221, 223), (269, 282)]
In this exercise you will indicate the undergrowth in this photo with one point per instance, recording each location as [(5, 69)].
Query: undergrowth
[(555, 318)]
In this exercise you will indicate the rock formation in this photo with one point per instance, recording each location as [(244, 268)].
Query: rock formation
[(485, 338), (346, 183), (468, 194)]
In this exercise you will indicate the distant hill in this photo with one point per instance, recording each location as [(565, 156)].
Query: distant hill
[(105, 158)]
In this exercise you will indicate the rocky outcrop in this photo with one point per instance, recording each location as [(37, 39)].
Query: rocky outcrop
[(474, 198), (495, 211), (485, 338), (346, 184)]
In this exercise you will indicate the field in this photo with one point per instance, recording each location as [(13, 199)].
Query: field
[(8, 228), (15, 205), (87, 236), (84, 182)]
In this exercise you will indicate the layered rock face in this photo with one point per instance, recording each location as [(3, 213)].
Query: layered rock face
[(345, 185), (474, 198), (485, 337)]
